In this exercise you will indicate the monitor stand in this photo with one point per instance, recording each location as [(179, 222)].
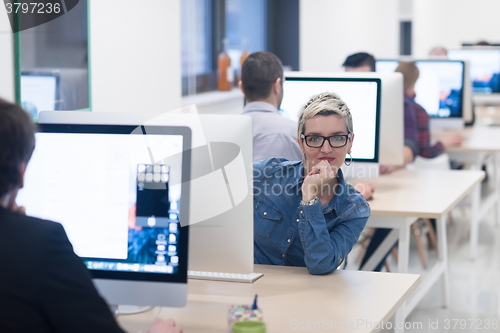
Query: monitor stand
[(117, 310), (486, 99), (446, 123)]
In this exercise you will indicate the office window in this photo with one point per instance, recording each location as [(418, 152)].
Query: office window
[(405, 38), (197, 46), (205, 23), (283, 31), (52, 64), (246, 28)]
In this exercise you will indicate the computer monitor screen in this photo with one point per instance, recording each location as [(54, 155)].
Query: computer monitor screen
[(484, 68), (439, 88), (391, 111), (120, 193), (39, 92), (221, 195), (362, 95)]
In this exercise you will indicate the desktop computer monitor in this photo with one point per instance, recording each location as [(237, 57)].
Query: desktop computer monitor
[(391, 112), (39, 92), (467, 45), (120, 193), (221, 197), (484, 72), (362, 95), (439, 89)]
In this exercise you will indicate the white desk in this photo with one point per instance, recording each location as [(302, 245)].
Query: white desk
[(290, 299), (486, 111), (399, 200), (481, 143)]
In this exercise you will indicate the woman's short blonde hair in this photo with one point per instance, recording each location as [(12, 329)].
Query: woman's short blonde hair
[(324, 104)]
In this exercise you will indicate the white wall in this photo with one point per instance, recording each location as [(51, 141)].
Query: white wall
[(450, 22), (406, 10), (135, 55), (7, 85), (330, 30)]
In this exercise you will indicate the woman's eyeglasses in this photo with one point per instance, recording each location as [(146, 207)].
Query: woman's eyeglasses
[(335, 141)]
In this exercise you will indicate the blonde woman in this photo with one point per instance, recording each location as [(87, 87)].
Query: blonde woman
[(305, 213)]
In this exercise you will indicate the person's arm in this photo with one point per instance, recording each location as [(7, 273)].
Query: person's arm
[(448, 141), (326, 246), (430, 151), (424, 140), (452, 140), (366, 189), (324, 250), (408, 155), (68, 297)]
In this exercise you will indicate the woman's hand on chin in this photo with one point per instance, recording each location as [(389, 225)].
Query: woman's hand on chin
[(320, 174)]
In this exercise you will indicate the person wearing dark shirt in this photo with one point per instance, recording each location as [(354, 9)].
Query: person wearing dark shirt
[(359, 62), (44, 286)]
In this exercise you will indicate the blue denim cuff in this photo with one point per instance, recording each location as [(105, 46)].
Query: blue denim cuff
[(310, 212)]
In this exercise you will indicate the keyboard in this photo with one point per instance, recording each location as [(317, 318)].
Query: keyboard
[(229, 277)]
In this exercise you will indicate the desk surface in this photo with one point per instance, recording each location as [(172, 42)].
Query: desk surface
[(291, 298), (487, 111), (421, 193), (477, 139)]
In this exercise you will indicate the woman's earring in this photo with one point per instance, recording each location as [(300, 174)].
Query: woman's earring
[(350, 160), (304, 160)]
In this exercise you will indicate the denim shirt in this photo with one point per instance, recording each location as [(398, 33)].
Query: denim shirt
[(287, 233)]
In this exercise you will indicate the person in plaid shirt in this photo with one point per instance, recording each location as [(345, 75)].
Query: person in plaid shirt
[(417, 135), (416, 142), (416, 122)]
